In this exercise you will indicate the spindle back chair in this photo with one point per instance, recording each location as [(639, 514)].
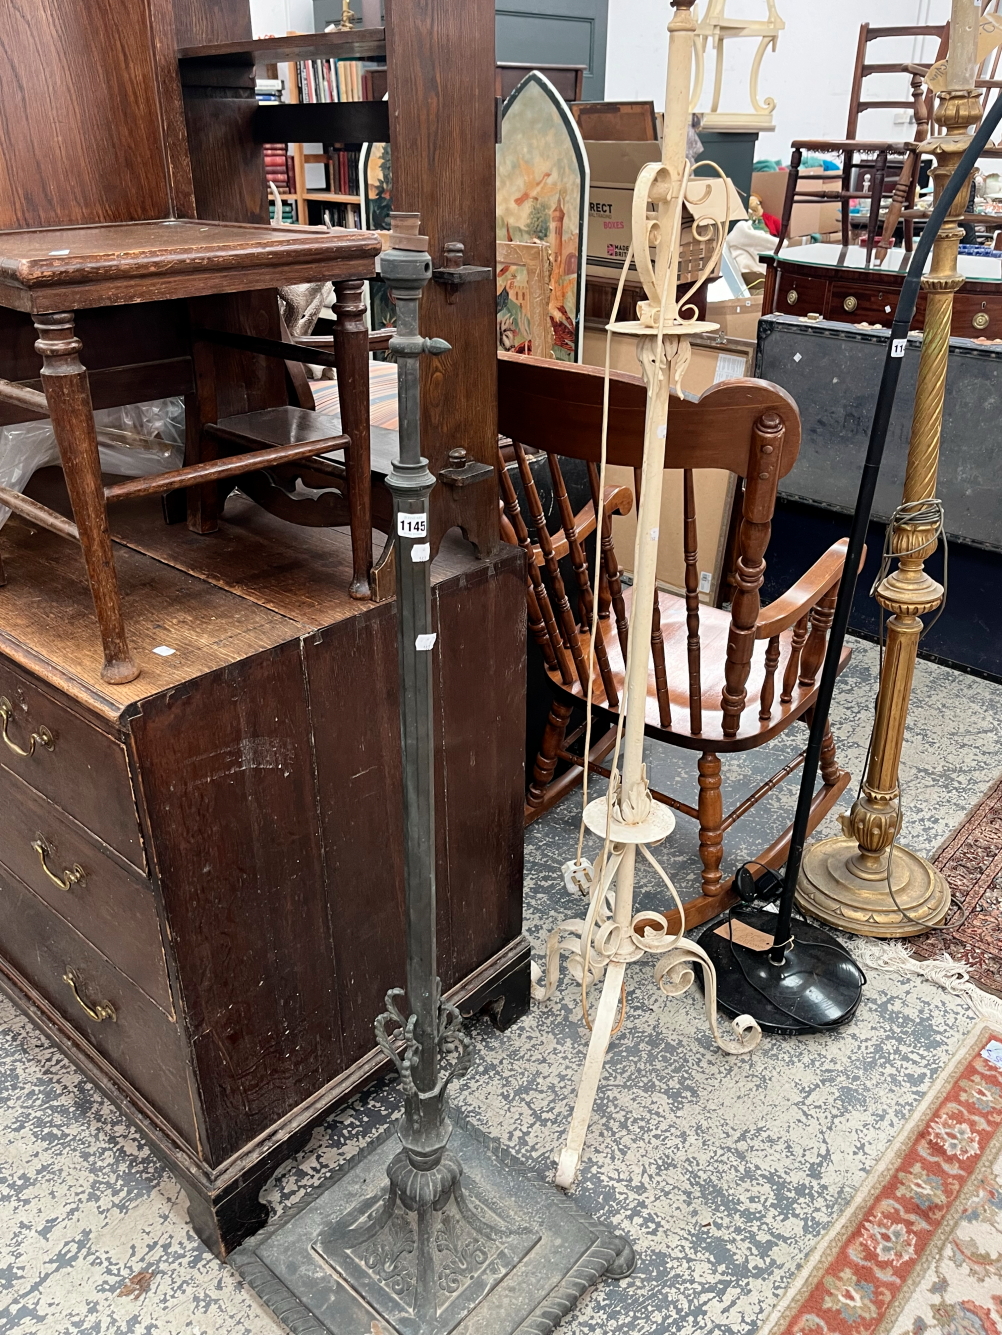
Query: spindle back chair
[(714, 674)]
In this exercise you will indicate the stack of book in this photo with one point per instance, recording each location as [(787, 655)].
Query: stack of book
[(330, 80), (280, 168), (343, 171)]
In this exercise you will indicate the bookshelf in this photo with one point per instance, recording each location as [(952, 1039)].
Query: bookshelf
[(326, 101), (301, 196)]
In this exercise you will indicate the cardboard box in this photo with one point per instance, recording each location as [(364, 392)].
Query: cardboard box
[(614, 167), (806, 218), (738, 317)]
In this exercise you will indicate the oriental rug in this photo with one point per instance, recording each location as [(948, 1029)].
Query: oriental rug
[(971, 861), (919, 1249)]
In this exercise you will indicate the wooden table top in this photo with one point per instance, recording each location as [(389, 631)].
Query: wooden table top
[(826, 255), (109, 264), (210, 599)]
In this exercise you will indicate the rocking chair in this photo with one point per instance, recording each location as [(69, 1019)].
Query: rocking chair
[(714, 675)]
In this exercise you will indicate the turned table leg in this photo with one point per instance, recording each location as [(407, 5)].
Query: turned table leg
[(67, 392), (351, 348)]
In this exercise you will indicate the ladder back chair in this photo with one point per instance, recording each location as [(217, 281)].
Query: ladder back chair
[(719, 681), (880, 170)]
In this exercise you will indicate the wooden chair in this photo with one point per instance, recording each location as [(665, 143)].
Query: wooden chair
[(105, 249), (720, 681), (875, 168)]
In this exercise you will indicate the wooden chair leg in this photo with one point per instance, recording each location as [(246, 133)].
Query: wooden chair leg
[(711, 818), (788, 199), (546, 761), (351, 348), (829, 764), (67, 392)]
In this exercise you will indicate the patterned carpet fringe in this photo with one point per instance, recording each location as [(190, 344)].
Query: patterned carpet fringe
[(949, 974)]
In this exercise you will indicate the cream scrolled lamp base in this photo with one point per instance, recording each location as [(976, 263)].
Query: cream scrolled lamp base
[(604, 945)]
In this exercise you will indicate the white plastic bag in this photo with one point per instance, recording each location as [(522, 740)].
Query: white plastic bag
[(134, 441)]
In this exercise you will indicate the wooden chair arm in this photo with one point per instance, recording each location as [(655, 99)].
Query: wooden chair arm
[(790, 606), (617, 500)]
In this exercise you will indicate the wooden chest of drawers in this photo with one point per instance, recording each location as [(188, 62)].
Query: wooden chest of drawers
[(814, 280), (201, 895)]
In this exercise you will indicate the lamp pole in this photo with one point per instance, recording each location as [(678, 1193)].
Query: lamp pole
[(628, 817), (436, 1231), (865, 882)]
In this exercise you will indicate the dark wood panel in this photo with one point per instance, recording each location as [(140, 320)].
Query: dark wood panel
[(86, 771), (440, 60), (479, 744), (227, 165), (141, 1042), (359, 44), (228, 785), (325, 122), (201, 22), (110, 906), (359, 780), (241, 382), (111, 336), (72, 159), (480, 713)]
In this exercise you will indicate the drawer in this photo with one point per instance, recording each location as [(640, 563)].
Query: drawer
[(82, 769), (800, 294), (857, 302), (125, 1028), (976, 317), (106, 903)]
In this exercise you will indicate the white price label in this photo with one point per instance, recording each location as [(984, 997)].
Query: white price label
[(426, 641), (412, 526), (898, 347), (421, 551)]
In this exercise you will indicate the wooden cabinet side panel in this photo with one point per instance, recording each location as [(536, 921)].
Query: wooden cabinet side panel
[(227, 777), (352, 674), (480, 725)]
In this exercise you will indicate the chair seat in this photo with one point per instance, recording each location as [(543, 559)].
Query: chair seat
[(714, 626)]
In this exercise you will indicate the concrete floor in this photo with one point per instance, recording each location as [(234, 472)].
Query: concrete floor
[(723, 1171)]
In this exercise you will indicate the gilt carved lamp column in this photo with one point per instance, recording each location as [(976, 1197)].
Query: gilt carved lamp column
[(865, 882)]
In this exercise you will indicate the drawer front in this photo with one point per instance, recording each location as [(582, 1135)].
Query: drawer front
[(80, 768), (123, 1025), (110, 906), (858, 302), (801, 294), (976, 317)]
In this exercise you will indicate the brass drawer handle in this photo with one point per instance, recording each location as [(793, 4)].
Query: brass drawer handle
[(74, 875), (102, 1011), (42, 735)]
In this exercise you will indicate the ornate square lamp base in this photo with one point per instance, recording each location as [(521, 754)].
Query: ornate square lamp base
[(506, 1256)]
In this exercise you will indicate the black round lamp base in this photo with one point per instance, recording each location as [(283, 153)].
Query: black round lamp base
[(817, 987)]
